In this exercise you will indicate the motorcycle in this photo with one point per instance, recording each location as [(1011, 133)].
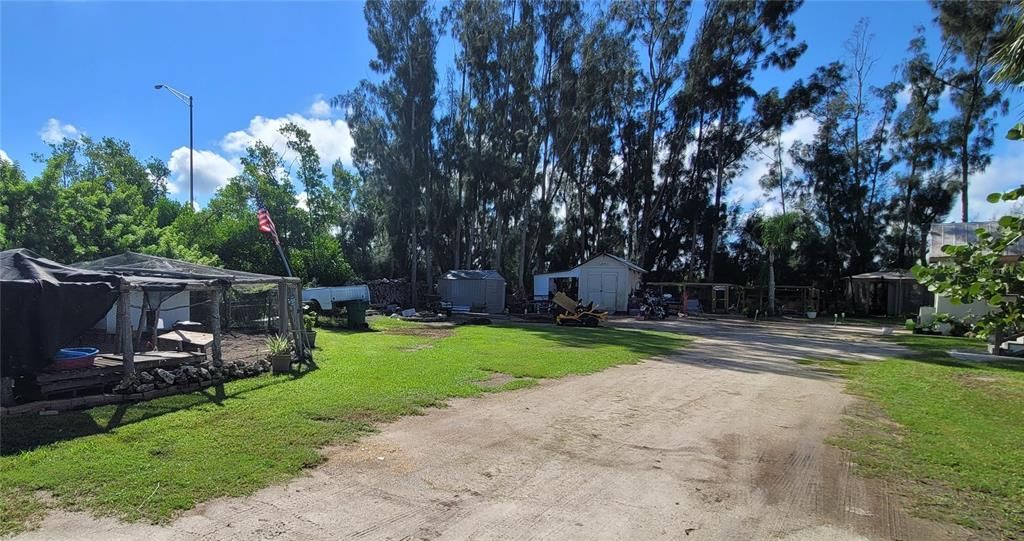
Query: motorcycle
[(652, 307)]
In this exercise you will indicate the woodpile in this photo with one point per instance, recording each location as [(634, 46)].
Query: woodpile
[(386, 292)]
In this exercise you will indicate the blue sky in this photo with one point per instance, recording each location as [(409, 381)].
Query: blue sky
[(73, 68)]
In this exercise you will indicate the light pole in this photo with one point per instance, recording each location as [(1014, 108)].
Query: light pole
[(187, 100)]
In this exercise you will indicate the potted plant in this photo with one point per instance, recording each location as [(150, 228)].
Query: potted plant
[(811, 311), (280, 355), (309, 321)]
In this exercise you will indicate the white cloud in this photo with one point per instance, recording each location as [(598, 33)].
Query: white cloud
[(5, 157), (903, 96), (331, 138), (746, 188), (54, 132), (1002, 174), (320, 108), (213, 168), (211, 172), (302, 201)]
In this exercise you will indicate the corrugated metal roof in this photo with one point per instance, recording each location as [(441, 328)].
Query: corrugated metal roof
[(145, 265), (960, 234), (895, 274), (473, 275)]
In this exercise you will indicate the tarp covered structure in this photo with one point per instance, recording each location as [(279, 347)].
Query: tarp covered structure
[(150, 273), (44, 306), (148, 270)]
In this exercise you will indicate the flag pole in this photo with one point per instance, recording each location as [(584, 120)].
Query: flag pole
[(277, 241), (284, 259)]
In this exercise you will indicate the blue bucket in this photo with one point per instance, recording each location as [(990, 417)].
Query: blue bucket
[(74, 358)]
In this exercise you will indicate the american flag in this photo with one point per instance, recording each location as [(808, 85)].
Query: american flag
[(266, 225)]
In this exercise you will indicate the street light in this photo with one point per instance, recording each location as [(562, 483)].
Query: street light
[(187, 100)]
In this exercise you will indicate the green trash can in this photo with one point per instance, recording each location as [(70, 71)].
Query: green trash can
[(357, 314)]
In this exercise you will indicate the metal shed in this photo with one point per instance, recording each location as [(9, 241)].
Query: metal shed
[(477, 290)]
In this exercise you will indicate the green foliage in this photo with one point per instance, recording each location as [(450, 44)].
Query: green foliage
[(1016, 133), (19, 511), (565, 130), (1009, 52), (971, 30), (95, 199), (111, 460), (980, 272), (278, 345), (310, 320)]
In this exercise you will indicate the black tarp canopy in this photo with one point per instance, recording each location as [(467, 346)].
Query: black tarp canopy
[(46, 305)]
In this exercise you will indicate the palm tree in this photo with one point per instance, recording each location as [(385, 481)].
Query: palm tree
[(1009, 54), (776, 234)]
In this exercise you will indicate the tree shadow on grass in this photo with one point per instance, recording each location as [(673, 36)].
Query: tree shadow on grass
[(645, 343), (935, 350), (26, 432)]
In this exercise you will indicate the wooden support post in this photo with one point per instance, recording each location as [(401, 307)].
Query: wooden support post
[(300, 335), (215, 326), (282, 309), (156, 324), (118, 318), (142, 318), (125, 328)]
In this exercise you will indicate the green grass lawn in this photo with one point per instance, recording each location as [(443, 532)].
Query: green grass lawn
[(149, 460), (877, 321), (949, 434)]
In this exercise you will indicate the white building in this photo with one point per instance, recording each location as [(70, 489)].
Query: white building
[(959, 234), (605, 280)]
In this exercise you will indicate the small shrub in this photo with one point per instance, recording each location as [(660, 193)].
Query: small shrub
[(278, 345)]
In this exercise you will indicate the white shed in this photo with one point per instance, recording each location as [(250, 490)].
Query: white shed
[(605, 280)]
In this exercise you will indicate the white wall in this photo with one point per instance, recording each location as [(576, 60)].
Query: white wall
[(607, 283), (974, 310), (174, 309)]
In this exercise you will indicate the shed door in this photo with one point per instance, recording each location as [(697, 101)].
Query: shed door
[(609, 291)]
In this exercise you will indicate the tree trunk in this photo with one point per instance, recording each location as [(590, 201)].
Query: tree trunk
[(923, 248), (782, 176), (965, 143), (413, 260), (693, 251), (964, 171), (499, 225), (907, 202), (458, 244), (428, 234), (716, 216), (523, 254), (771, 282)]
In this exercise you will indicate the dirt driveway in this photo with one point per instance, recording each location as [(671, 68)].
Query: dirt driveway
[(721, 441)]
